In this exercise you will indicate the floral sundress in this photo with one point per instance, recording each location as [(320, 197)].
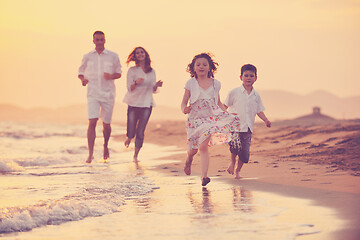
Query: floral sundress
[(207, 119)]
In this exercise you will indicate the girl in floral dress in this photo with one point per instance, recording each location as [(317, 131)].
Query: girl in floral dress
[(208, 121)]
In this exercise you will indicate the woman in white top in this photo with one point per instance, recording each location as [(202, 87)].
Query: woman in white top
[(141, 84), (208, 121)]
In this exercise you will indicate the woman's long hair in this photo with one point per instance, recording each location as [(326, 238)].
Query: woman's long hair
[(132, 58)]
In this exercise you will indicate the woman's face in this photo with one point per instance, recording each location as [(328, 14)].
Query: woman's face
[(140, 55), (201, 67)]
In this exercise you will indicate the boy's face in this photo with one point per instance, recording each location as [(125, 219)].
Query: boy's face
[(248, 78), (99, 40)]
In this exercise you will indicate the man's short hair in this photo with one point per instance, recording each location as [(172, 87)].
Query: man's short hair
[(98, 32)]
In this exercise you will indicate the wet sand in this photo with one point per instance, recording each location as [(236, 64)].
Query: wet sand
[(270, 202), (315, 162), (179, 208)]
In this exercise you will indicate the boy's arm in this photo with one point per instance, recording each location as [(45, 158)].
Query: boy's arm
[(227, 103), (264, 118), (221, 105)]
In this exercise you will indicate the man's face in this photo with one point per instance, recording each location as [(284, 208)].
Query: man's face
[(99, 40)]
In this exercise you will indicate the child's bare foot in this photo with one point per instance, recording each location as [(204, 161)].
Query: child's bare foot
[(89, 160), (237, 175), (230, 169), (187, 167), (238, 169), (127, 142)]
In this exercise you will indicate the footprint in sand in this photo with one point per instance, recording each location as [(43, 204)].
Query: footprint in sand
[(307, 180), (294, 170)]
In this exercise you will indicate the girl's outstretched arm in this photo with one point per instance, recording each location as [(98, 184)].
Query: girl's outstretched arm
[(221, 105), (184, 108)]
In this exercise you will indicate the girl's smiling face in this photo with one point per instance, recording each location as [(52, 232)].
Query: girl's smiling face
[(201, 67)]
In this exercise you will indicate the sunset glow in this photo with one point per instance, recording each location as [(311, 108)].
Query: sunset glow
[(298, 46)]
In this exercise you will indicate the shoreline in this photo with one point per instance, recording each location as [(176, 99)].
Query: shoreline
[(270, 168), (307, 163)]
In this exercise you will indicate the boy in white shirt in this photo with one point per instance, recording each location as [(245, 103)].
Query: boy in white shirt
[(245, 102)]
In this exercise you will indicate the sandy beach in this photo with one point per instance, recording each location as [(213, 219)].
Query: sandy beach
[(317, 162), (301, 183)]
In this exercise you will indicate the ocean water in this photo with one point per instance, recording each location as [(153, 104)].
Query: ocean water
[(48, 192)]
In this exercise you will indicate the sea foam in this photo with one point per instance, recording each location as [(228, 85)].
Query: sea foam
[(93, 201)]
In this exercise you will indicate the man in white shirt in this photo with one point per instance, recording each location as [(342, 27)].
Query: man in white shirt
[(99, 68), (245, 102)]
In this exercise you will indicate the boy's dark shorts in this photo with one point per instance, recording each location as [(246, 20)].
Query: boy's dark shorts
[(240, 145)]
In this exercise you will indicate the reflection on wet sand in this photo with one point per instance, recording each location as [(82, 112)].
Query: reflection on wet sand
[(145, 202), (242, 199), (204, 205)]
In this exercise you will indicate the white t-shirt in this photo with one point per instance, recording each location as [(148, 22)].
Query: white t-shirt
[(142, 95), (245, 105), (93, 66)]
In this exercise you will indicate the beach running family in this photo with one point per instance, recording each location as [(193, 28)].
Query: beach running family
[(209, 120)]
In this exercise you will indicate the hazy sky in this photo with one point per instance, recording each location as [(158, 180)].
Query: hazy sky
[(299, 46)]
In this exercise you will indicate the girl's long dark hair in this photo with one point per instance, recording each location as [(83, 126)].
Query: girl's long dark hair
[(212, 65), (132, 58)]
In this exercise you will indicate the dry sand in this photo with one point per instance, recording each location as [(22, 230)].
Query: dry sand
[(319, 156), (318, 162)]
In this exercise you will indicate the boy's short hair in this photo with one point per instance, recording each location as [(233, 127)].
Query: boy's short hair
[(98, 32), (249, 67)]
